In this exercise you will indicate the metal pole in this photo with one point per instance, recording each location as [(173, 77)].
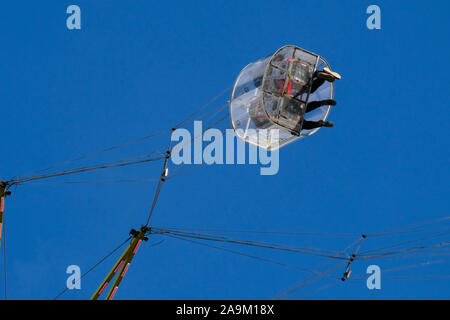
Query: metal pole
[(3, 193), (122, 264), (131, 252)]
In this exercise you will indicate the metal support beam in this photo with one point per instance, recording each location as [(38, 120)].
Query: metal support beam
[(3, 193), (122, 265)]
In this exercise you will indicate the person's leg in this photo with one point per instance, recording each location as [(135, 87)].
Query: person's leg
[(308, 125), (334, 74), (321, 76), (317, 104), (316, 84)]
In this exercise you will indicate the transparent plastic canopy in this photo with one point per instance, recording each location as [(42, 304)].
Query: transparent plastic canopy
[(272, 93)]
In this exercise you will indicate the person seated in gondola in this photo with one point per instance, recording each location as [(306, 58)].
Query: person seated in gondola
[(293, 95)]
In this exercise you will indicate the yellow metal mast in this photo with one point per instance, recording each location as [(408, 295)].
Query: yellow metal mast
[(3, 193), (121, 266)]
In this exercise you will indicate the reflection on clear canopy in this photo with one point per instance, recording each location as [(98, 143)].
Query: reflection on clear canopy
[(272, 93)]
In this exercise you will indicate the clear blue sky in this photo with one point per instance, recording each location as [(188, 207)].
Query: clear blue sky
[(136, 67)]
